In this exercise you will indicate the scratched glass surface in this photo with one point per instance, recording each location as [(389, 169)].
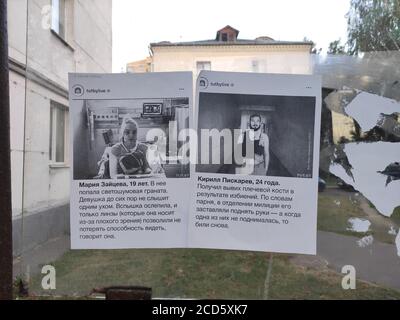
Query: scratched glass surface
[(358, 243)]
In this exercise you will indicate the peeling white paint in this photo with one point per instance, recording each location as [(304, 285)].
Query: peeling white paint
[(353, 201), (392, 231), (366, 108), (358, 225), (367, 159), (365, 242), (340, 172)]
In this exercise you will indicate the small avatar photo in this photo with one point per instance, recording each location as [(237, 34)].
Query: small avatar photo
[(78, 90)]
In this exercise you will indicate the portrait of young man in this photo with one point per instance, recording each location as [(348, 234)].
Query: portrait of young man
[(257, 163)]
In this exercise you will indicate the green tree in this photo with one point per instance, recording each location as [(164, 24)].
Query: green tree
[(314, 48), (373, 25), (335, 47)]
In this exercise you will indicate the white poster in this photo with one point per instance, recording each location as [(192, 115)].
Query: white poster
[(256, 178), (128, 182), (243, 174)]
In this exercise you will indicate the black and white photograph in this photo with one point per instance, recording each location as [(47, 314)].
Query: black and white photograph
[(111, 138), (280, 130)]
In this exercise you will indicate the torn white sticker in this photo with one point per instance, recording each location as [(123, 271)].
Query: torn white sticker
[(392, 231), (353, 201), (358, 225), (366, 109), (365, 242), (337, 202), (368, 161)]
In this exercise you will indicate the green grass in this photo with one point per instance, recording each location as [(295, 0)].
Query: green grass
[(219, 274), (331, 181), (199, 273), (334, 217), (171, 273), (294, 282), (396, 216)]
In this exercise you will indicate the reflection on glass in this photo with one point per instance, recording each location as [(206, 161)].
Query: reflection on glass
[(358, 210)]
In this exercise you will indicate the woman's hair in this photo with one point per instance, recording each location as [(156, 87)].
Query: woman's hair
[(125, 121)]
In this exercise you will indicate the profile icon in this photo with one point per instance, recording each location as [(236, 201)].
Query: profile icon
[(77, 90), (203, 83)]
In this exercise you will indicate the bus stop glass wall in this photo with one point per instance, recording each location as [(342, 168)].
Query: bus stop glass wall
[(358, 211)]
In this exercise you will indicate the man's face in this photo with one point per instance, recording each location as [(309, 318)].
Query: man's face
[(255, 123)]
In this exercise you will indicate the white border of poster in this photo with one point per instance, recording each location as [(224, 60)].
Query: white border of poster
[(275, 210), (265, 200), (141, 207)]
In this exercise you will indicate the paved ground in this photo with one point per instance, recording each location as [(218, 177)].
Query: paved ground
[(376, 263), (31, 262)]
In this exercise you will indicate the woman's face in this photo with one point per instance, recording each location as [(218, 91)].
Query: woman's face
[(130, 134)]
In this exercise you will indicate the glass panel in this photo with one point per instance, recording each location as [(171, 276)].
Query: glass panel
[(55, 15), (58, 17), (51, 134), (60, 134), (62, 16), (358, 212)]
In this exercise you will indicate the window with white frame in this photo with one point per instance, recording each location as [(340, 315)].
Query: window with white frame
[(58, 17), (59, 123), (203, 65)]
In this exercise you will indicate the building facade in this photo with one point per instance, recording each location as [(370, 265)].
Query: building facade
[(227, 52), (47, 40), (139, 66)]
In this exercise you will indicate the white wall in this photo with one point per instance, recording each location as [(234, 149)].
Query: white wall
[(40, 177), (17, 100), (271, 59), (16, 29), (93, 42), (87, 49), (342, 126)]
